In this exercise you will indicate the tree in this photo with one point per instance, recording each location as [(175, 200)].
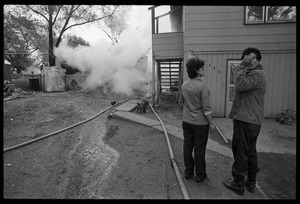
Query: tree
[(60, 18), (256, 12), (280, 12), (113, 25), (74, 41), (21, 38)]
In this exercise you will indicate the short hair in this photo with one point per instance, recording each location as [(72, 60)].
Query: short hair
[(249, 50), (193, 65)]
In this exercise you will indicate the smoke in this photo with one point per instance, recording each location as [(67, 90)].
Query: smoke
[(121, 68)]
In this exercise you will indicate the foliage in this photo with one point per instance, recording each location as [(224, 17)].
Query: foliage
[(60, 18), (29, 27), (74, 41), (256, 12), (273, 12), (280, 12), (113, 25), (22, 40)]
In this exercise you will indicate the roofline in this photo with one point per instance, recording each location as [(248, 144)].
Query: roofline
[(152, 7)]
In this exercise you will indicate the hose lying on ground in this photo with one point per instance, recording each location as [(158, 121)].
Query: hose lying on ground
[(182, 186), (64, 129), (183, 189)]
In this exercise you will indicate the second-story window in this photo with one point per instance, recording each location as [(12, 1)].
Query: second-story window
[(167, 19), (270, 14)]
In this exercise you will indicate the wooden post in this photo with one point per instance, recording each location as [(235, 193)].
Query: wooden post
[(153, 80)]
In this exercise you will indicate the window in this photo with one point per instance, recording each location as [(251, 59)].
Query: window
[(270, 14), (167, 19)]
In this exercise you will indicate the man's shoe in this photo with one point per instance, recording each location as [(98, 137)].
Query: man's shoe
[(236, 187), (205, 180), (189, 176), (250, 186)]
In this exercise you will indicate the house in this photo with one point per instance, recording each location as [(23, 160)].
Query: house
[(218, 35)]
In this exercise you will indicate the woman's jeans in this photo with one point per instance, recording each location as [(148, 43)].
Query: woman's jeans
[(195, 138), (244, 150)]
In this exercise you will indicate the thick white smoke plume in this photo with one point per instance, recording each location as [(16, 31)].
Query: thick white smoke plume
[(121, 68)]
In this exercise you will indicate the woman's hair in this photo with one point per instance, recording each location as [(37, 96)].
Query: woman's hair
[(193, 65), (249, 50)]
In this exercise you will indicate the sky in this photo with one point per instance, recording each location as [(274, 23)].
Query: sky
[(139, 16)]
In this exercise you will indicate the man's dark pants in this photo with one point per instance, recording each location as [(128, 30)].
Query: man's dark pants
[(195, 138), (244, 150)]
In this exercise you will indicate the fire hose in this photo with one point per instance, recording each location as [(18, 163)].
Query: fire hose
[(62, 130), (182, 186)]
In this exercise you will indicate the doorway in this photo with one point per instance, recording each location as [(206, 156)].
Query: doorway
[(169, 75), (231, 64)]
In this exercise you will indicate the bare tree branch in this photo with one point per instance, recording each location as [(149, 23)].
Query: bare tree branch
[(57, 14), (37, 12), (78, 24)]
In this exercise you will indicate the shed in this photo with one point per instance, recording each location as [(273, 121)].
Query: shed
[(53, 79), (7, 68)]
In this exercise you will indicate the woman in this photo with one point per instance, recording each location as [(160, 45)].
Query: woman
[(196, 120)]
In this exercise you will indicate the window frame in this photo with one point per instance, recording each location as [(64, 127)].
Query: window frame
[(265, 21)]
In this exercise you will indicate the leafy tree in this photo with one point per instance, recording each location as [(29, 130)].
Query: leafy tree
[(113, 25), (280, 12), (59, 18), (256, 12), (22, 39), (74, 41)]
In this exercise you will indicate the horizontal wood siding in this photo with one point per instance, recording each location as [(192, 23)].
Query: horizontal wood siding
[(280, 70), (215, 78), (167, 45), (222, 27), (217, 34)]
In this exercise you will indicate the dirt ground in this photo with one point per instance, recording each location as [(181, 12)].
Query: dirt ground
[(107, 158)]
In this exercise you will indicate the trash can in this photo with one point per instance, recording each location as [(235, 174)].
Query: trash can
[(34, 84)]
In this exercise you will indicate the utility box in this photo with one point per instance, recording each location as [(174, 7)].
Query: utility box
[(34, 84)]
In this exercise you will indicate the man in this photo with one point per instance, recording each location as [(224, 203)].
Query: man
[(247, 113), (196, 120)]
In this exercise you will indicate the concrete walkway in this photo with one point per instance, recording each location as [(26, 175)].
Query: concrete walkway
[(172, 130), (274, 137)]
